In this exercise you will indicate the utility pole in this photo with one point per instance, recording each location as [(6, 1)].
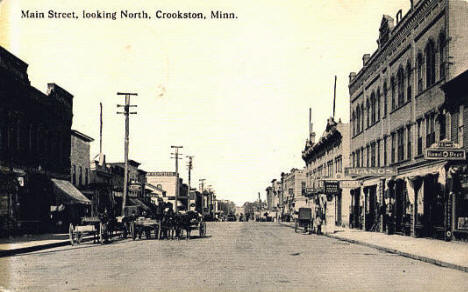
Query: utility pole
[(202, 188), (127, 114), (100, 128), (189, 167), (176, 156)]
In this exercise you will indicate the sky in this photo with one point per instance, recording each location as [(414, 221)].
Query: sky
[(235, 93)]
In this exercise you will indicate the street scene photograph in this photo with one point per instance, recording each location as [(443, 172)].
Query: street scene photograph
[(219, 145)]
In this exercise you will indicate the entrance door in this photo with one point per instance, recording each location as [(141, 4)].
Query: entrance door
[(434, 209)]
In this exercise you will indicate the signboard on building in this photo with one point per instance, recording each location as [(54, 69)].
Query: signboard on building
[(161, 173), (445, 150), (331, 187), (370, 171)]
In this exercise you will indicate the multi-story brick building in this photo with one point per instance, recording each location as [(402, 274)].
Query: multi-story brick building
[(325, 163), (293, 186), (398, 110), (34, 146), (80, 159), (169, 181)]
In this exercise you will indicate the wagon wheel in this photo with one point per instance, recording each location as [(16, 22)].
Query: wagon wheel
[(148, 233), (133, 230), (296, 226), (124, 231), (71, 234), (101, 233)]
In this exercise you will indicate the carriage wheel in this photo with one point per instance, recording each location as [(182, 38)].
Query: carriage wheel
[(133, 230), (296, 226), (71, 234), (125, 231), (101, 233)]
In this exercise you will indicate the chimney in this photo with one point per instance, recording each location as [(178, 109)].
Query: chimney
[(352, 75), (365, 59), (311, 128)]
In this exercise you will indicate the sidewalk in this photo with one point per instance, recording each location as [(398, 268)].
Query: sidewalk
[(29, 243), (451, 254)]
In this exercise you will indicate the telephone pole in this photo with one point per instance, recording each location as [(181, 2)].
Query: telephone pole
[(176, 157), (189, 167), (127, 114)]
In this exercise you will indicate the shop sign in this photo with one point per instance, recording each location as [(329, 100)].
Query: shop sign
[(351, 184), (331, 187), (370, 171), (445, 154), (134, 187)]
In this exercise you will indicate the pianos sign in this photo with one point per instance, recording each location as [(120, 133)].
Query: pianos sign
[(370, 171)]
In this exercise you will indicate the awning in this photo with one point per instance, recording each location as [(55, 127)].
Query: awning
[(139, 203), (67, 193)]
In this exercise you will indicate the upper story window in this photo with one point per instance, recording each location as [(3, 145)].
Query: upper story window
[(378, 104), (420, 73), (373, 109), (385, 92), (442, 55), (392, 84), (420, 137), (368, 108), (401, 86), (409, 81), (430, 63), (430, 131)]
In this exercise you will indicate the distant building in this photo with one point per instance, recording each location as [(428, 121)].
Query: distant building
[(169, 181), (293, 185)]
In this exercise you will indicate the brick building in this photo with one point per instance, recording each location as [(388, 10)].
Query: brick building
[(34, 147), (325, 162), (167, 180), (293, 186), (398, 110)]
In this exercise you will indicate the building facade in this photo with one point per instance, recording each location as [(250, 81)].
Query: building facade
[(325, 164), (34, 147), (398, 111)]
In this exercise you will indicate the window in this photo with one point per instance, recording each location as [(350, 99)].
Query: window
[(353, 122), (409, 81), (401, 149), (385, 92), (420, 74), (385, 151), (339, 164), (443, 126), (378, 153), (367, 113), (378, 104), (80, 179), (430, 132), (358, 158), (393, 148), (358, 124), (86, 176), (373, 108), (74, 174), (442, 54), (392, 84), (401, 85), (420, 137), (454, 127), (367, 156), (409, 145), (372, 155), (430, 63), (330, 168), (362, 117)]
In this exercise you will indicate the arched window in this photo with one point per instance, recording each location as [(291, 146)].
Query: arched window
[(373, 108), (420, 73), (385, 93), (430, 63), (392, 84), (362, 117), (401, 86), (353, 122), (358, 119), (442, 55), (378, 104), (409, 81), (367, 112)]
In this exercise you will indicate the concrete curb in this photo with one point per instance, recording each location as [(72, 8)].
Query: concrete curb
[(402, 253), (11, 252), (395, 251)]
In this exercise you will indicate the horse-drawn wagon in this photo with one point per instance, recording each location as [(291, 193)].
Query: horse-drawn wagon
[(304, 220)]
